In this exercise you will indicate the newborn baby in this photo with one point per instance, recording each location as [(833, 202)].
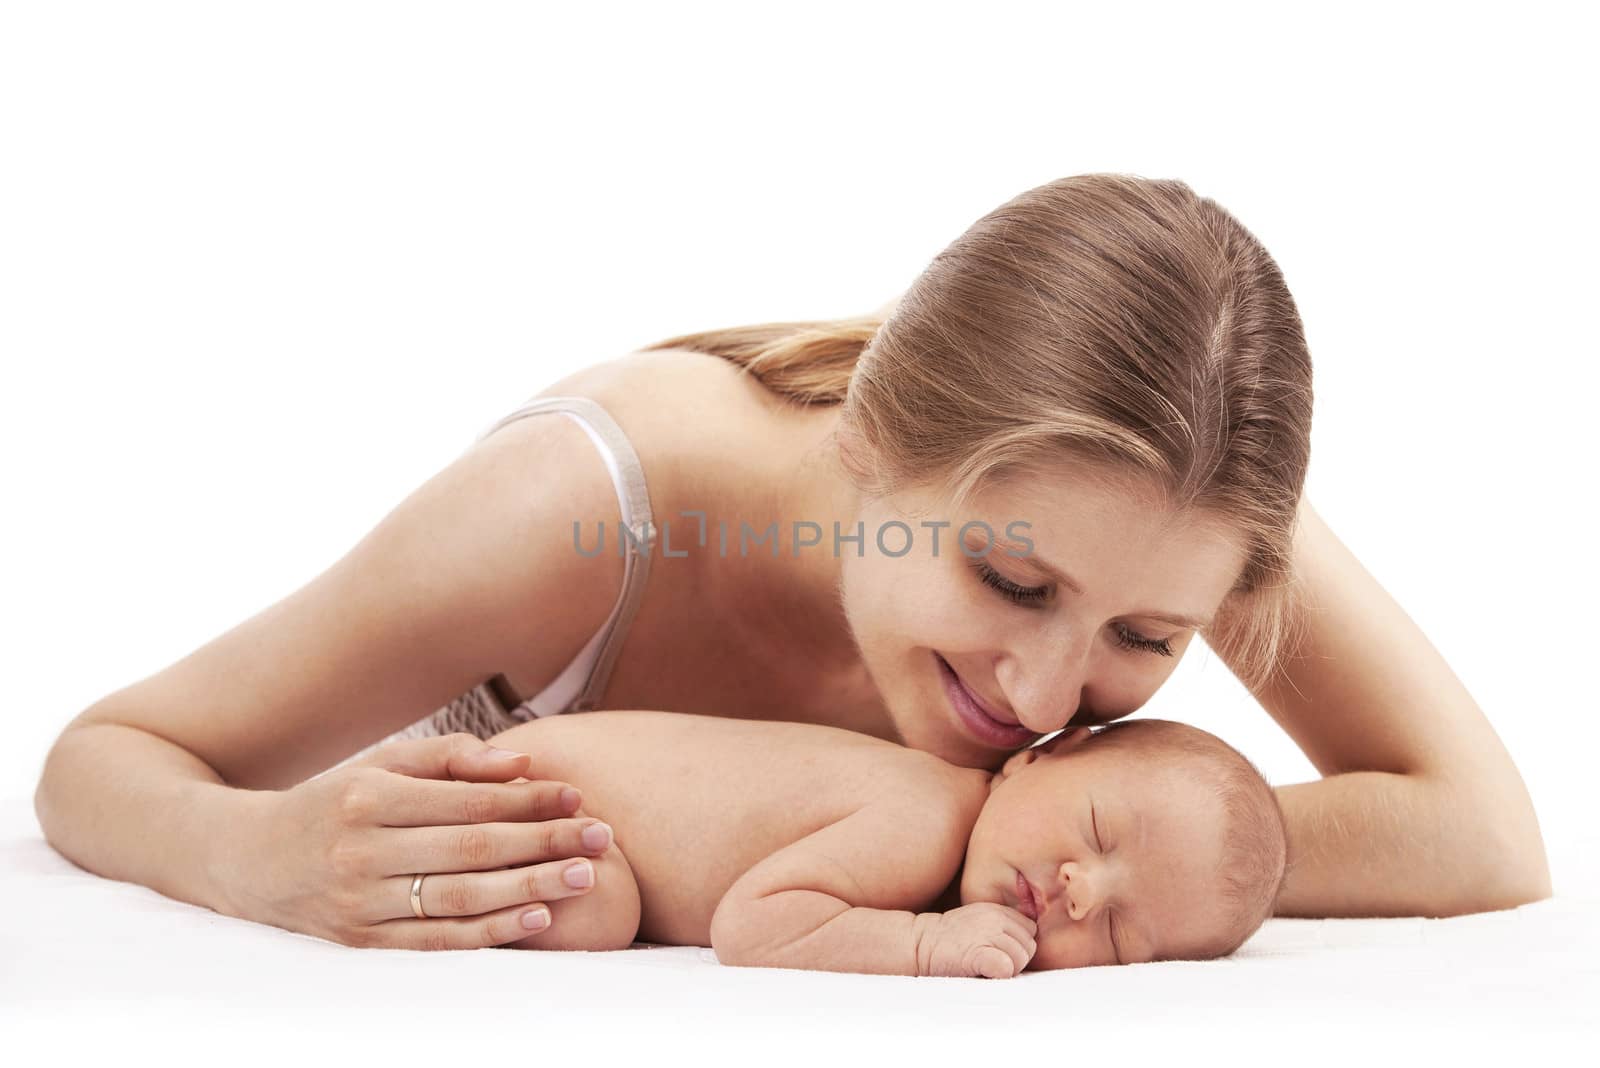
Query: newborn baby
[(796, 845)]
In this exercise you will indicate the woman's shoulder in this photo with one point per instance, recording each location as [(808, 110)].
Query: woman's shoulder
[(699, 423), (686, 395)]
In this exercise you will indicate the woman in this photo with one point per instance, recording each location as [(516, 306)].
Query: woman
[(1107, 371)]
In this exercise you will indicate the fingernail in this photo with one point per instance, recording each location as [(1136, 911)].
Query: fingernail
[(570, 799), (596, 836), (536, 919), (497, 753), (579, 875)]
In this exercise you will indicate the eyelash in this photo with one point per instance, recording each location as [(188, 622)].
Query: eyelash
[(1111, 928), (1030, 595), (1008, 589)]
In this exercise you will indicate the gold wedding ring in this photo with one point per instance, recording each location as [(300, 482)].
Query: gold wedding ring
[(416, 896)]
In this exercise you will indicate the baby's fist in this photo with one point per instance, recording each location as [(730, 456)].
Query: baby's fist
[(981, 940)]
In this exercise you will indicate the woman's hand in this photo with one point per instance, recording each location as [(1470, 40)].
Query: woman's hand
[(334, 856)]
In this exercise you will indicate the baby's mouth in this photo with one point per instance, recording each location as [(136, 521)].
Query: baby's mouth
[(1027, 898)]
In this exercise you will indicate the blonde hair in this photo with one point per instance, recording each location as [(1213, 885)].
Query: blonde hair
[(1122, 323)]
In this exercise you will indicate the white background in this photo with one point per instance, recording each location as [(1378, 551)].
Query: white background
[(266, 268)]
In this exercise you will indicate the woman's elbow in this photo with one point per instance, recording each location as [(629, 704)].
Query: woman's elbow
[(1501, 890), (1525, 872), (1506, 866)]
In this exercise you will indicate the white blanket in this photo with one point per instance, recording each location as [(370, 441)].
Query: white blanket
[(102, 967)]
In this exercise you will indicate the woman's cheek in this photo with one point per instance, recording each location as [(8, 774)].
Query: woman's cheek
[(908, 584)]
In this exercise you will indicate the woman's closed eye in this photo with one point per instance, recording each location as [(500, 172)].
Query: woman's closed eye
[(1010, 590), (1129, 640), (1033, 595)]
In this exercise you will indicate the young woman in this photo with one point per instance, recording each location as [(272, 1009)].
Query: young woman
[(1103, 390)]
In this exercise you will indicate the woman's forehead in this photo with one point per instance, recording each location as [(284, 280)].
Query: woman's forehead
[(1068, 495)]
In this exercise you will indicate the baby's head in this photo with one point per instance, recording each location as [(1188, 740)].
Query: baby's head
[(1143, 840)]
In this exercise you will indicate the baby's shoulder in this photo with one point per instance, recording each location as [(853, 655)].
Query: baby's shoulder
[(923, 783)]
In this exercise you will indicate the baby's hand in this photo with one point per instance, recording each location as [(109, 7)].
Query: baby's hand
[(981, 940)]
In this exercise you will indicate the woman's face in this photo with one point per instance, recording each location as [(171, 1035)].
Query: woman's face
[(1005, 628)]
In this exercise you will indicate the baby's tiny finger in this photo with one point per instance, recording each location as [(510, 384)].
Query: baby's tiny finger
[(1019, 950), (992, 962)]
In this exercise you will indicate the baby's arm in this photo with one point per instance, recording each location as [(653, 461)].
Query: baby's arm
[(842, 899)]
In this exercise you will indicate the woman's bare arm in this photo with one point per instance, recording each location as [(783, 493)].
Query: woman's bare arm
[(1421, 810), (158, 782)]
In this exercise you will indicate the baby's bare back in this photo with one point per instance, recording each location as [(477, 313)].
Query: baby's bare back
[(696, 801)]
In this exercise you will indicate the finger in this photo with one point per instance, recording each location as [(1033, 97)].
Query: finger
[(449, 756), (1026, 948), (1018, 935), (482, 892), (1020, 956), (411, 802), (476, 932), (1022, 923), (993, 963), (483, 846)]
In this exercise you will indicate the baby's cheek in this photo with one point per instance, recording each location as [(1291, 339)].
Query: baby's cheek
[(1045, 958), (1059, 949)]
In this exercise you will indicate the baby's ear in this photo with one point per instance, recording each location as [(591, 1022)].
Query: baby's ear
[(1015, 763)]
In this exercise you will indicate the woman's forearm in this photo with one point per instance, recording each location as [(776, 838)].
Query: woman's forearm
[(125, 804), (1373, 843)]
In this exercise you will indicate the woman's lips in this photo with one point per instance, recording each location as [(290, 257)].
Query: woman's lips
[(1027, 899), (980, 724), (982, 705)]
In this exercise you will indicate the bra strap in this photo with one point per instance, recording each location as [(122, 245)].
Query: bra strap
[(628, 475)]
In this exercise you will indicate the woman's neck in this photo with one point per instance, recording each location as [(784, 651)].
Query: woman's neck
[(790, 602)]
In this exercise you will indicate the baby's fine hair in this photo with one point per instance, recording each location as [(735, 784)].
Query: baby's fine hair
[(1255, 842)]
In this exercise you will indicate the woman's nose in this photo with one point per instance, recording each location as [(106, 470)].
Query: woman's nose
[(1046, 710), (1045, 694)]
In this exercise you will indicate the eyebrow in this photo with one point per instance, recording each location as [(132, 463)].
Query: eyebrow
[(1175, 618)]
